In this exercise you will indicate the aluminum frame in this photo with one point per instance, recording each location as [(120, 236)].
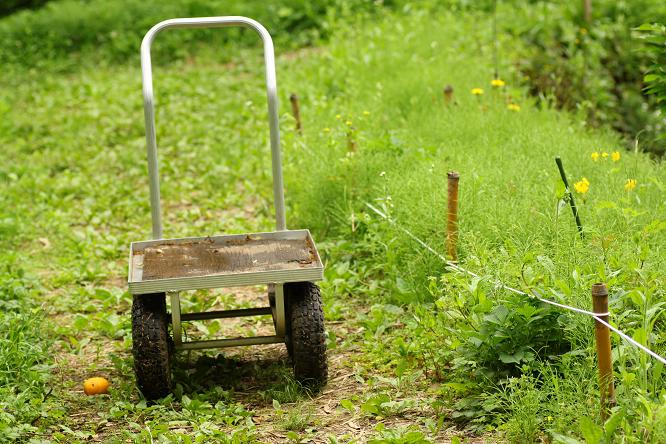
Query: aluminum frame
[(279, 321), (149, 110)]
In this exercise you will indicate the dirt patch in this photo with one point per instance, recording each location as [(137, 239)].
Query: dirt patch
[(254, 376)]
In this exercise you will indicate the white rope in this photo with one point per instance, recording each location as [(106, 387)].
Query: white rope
[(535, 294)]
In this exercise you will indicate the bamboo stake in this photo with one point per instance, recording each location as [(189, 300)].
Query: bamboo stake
[(452, 216), (495, 42), (295, 109), (572, 202), (448, 94), (587, 10), (602, 337), (351, 142)]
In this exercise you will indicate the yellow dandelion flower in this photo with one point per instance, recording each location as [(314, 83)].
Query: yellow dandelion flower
[(338, 116), (497, 83), (327, 130), (595, 156), (630, 184), (348, 122), (615, 155), (604, 155), (513, 107), (366, 113), (582, 186), (477, 91)]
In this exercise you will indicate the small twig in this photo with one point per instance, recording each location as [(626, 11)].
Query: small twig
[(295, 109), (495, 43)]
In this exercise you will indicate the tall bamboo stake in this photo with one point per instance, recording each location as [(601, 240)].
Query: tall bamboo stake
[(452, 216), (587, 10), (602, 336)]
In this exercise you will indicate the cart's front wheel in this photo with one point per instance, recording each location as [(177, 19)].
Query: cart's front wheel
[(305, 335), (151, 345)]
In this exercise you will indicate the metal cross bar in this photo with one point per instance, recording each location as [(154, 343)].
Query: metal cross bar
[(221, 314), (234, 342)]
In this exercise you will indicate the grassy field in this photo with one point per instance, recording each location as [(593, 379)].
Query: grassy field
[(417, 353)]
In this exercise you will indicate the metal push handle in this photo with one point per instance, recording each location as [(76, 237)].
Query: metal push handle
[(149, 111)]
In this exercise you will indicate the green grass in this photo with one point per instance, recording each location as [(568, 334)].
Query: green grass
[(24, 374), (75, 194), (65, 34)]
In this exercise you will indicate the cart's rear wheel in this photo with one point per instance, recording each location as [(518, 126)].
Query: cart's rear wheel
[(305, 335), (151, 345)]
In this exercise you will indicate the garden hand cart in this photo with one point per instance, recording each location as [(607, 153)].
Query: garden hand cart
[(287, 261)]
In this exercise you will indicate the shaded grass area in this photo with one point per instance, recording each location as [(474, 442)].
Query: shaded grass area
[(65, 34), (375, 129)]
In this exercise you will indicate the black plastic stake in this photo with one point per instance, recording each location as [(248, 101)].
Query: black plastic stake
[(572, 202)]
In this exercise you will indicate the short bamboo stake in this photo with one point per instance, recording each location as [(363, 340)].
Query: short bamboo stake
[(452, 216), (602, 336), (351, 142), (295, 109), (448, 94)]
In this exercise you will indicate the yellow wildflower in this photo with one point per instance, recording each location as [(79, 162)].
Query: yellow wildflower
[(513, 107), (348, 122), (582, 186), (595, 156), (366, 113), (615, 155), (604, 155), (497, 83), (630, 184), (326, 130), (477, 91), (338, 116)]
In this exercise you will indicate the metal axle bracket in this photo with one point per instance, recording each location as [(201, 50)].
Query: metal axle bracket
[(278, 320)]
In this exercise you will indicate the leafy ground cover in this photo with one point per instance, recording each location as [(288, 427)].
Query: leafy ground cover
[(594, 67), (418, 353)]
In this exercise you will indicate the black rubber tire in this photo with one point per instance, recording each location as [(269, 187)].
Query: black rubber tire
[(152, 345), (306, 335)]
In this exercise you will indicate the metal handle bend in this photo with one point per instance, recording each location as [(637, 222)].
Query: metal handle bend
[(149, 112)]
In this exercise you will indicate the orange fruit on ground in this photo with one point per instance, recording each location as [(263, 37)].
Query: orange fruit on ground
[(96, 386)]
